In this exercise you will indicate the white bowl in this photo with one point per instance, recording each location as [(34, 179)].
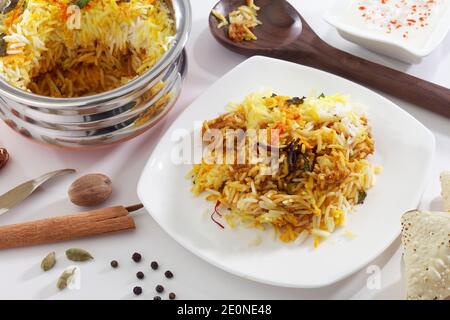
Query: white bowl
[(382, 43), (403, 146)]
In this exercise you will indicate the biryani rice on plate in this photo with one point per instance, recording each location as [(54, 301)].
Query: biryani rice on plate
[(72, 48), (322, 147)]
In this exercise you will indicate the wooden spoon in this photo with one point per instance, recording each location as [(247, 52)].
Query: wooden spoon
[(284, 34)]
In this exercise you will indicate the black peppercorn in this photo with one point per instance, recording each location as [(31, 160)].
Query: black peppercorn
[(136, 257), (114, 264), (154, 265), (168, 274), (159, 288), (140, 275), (157, 298), (137, 290), (172, 296)]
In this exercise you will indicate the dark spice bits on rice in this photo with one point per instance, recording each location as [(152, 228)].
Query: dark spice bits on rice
[(3, 45), (8, 5)]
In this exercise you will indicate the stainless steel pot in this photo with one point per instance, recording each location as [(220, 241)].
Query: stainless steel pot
[(108, 117)]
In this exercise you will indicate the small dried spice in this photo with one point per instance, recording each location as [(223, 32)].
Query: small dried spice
[(296, 100), (140, 275), (3, 45), (154, 265), (294, 152), (114, 264), (159, 288), (137, 291), (4, 157), (77, 254), (172, 296), (168, 274), (49, 261), (64, 279), (157, 298), (90, 190), (321, 96), (361, 196), (216, 211), (136, 257)]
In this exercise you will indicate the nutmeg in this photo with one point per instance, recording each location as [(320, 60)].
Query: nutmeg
[(4, 157), (90, 190)]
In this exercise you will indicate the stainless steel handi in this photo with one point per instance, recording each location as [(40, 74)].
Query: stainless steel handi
[(108, 117)]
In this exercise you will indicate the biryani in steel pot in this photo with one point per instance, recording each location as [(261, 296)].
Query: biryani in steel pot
[(72, 48), (321, 147)]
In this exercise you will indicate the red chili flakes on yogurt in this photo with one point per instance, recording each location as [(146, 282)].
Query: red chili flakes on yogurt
[(405, 16)]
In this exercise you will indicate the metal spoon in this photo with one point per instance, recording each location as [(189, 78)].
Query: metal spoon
[(15, 196), (285, 34)]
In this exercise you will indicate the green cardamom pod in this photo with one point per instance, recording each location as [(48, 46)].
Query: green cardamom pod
[(63, 280), (49, 261), (77, 254)]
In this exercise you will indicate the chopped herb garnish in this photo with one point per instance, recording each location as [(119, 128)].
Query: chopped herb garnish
[(273, 95), (81, 3), (296, 100), (361, 196), (321, 96), (3, 45)]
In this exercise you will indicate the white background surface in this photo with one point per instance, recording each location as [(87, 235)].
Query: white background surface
[(20, 275)]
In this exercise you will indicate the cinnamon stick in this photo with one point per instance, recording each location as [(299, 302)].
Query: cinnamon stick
[(67, 227)]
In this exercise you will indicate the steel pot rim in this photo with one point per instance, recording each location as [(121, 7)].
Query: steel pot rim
[(183, 17)]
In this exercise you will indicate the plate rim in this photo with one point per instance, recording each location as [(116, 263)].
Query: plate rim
[(317, 284)]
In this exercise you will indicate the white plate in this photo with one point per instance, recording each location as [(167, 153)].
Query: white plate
[(380, 42), (404, 147)]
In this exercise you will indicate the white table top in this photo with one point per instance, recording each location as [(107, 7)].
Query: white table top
[(20, 274)]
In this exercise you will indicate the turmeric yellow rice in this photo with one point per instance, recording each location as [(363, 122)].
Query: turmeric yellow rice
[(322, 148)]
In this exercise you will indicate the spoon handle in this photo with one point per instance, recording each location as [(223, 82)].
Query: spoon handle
[(319, 54)]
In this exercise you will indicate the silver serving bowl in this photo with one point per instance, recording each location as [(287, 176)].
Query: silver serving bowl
[(108, 117)]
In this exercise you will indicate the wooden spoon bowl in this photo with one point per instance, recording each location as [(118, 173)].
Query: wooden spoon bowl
[(284, 21), (284, 34)]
